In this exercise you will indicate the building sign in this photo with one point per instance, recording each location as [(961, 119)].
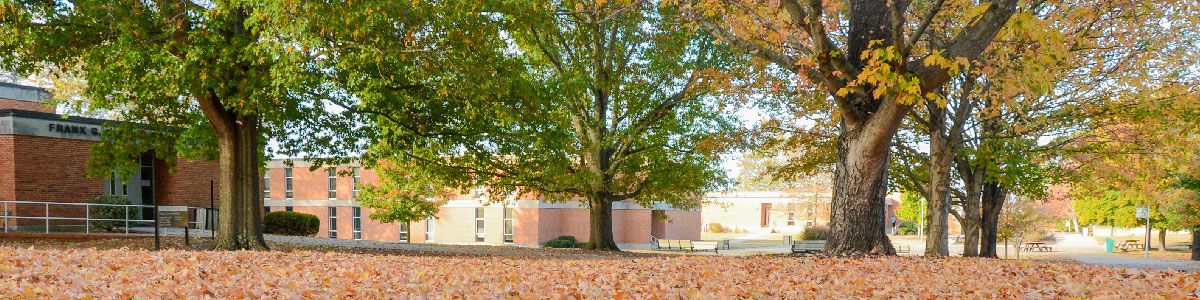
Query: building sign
[(173, 216), (74, 129)]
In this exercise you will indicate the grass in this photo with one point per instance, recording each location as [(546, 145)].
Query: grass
[(1173, 240)]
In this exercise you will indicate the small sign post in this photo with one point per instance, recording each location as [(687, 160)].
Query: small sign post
[(175, 216), (1144, 212)]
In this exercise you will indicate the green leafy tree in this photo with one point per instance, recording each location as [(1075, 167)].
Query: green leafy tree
[(910, 207), (596, 102), (215, 79)]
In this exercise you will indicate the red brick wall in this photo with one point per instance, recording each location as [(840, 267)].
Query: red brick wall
[(7, 180), (52, 170), (189, 185), (25, 105)]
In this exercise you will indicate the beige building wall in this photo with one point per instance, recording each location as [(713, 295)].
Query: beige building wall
[(534, 222)]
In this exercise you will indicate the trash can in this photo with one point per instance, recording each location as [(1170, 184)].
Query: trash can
[(1108, 245), (787, 240)]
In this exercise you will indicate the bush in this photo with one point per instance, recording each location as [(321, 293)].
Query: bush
[(716, 228), (815, 233), (565, 241), (110, 212), (907, 228), (290, 223)]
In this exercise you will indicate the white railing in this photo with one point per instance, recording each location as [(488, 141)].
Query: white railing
[(87, 219)]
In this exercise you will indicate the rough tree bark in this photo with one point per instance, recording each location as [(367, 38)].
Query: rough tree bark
[(240, 208), (993, 203), (940, 154), (973, 179), (1162, 240), (1196, 244), (601, 233), (857, 221)]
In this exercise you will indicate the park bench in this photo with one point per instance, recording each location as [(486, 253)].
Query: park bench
[(705, 246), (682, 245), (903, 249), (808, 246)]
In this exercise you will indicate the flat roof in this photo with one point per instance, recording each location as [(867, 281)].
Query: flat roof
[(23, 92)]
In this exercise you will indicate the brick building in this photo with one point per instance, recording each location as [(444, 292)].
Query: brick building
[(466, 219), (43, 158), (779, 211)]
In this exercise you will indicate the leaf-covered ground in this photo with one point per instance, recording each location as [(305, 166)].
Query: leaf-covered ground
[(36, 273)]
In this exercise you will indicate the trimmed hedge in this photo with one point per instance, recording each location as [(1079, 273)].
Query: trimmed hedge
[(291, 223), (565, 241), (815, 233)]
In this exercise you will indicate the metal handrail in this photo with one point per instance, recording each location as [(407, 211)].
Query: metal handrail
[(87, 215)]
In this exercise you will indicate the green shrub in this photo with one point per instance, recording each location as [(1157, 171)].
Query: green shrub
[(716, 228), (907, 228), (290, 223), (110, 212), (559, 244), (565, 241), (815, 233)]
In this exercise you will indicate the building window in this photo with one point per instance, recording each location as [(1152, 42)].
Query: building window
[(791, 218), (332, 183), (287, 180), (357, 179), (479, 224), (357, 223), (266, 182), (287, 208), (266, 210), (429, 229), (508, 225), (404, 231), (332, 222)]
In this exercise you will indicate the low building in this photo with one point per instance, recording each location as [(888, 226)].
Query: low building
[(466, 219), (773, 211), (43, 162)]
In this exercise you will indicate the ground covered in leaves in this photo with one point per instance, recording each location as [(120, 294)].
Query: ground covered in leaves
[(74, 273)]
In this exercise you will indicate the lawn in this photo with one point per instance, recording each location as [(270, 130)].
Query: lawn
[(1173, 240), (33, 272)]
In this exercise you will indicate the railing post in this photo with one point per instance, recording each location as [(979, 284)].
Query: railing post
[(87, 219), (5, 217), (47, 217), (127, 220)]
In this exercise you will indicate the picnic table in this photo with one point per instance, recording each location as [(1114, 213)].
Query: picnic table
[(1038, 246), (1134, 244)]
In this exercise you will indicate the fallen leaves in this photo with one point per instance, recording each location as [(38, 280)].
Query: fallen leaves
[(140, 274)]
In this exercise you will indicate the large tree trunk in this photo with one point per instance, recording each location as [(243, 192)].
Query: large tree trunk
[(973, 219), (1195, 243), (240, 205), (993, 202), (1162, 240), (940, 155), (857, 218), (601, 234)]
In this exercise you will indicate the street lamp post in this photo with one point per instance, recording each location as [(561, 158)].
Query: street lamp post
[(921, 222)]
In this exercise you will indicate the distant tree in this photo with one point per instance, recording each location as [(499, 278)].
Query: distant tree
[(910, 207), (596, 102)]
